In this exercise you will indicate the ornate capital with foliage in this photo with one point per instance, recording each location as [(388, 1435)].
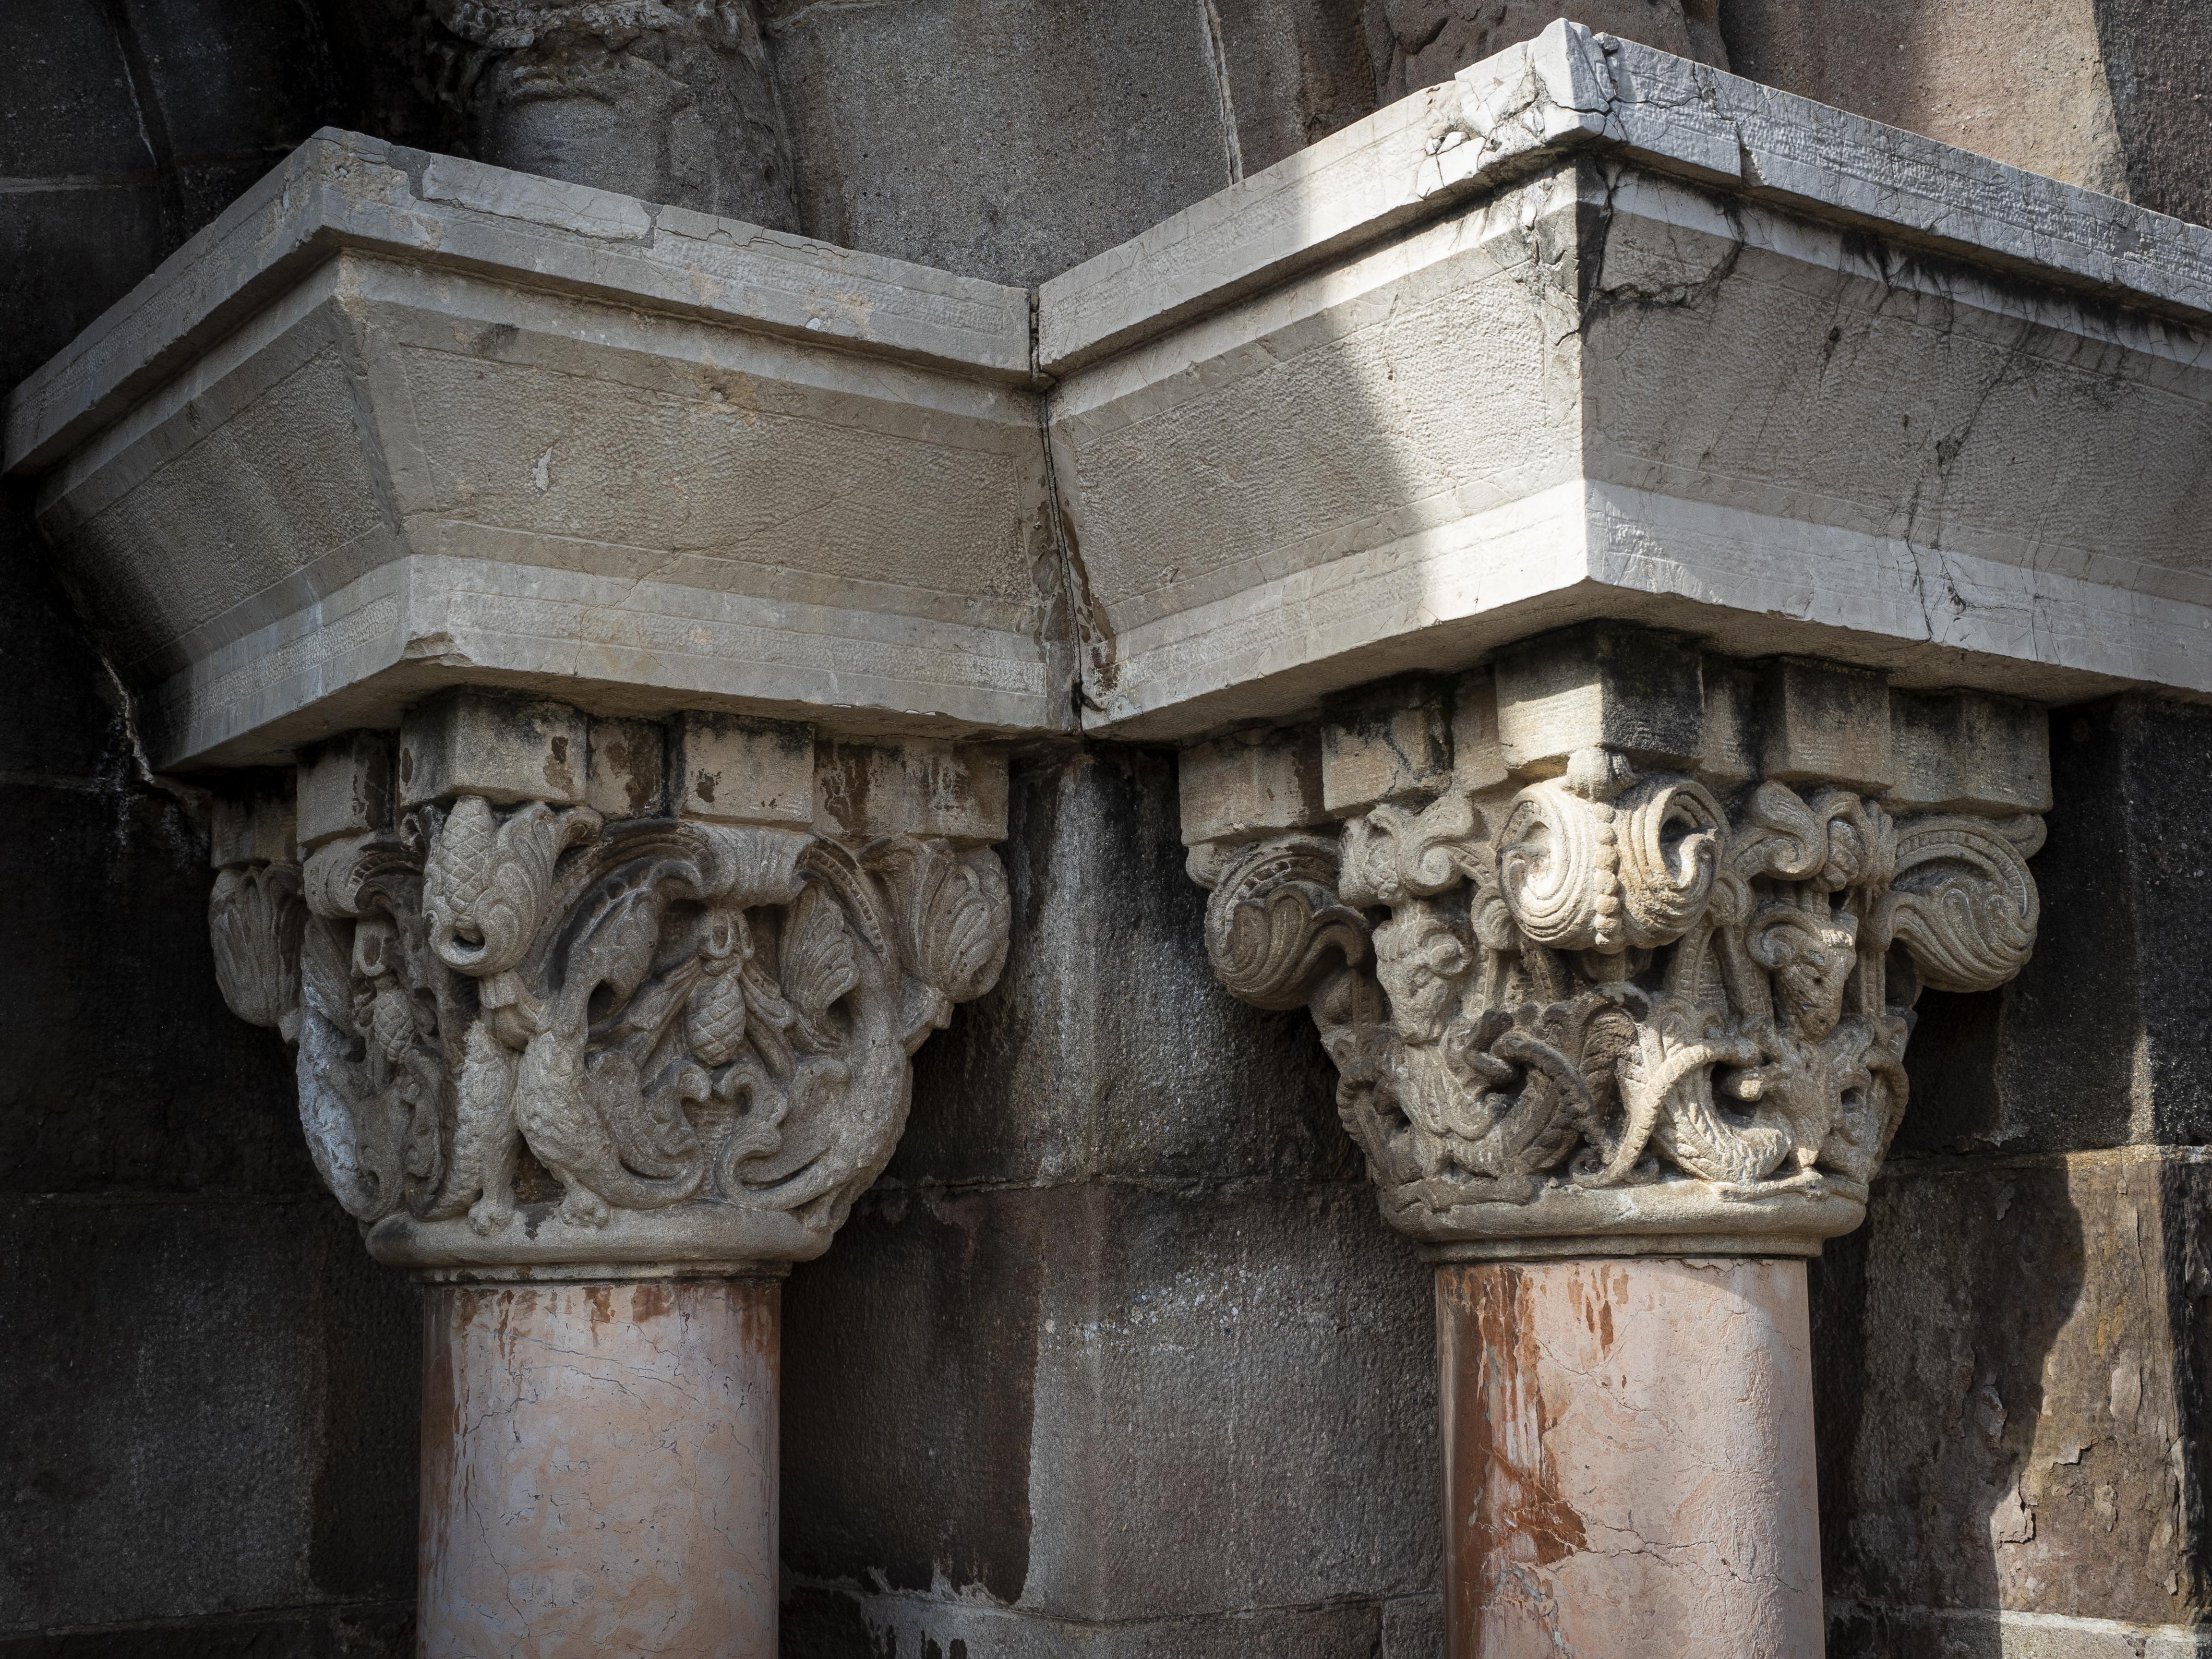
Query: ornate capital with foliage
[(1604, 961), (534, 1034)]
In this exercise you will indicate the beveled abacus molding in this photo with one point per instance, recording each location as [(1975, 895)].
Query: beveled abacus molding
[(1616, 947), (574, 991)]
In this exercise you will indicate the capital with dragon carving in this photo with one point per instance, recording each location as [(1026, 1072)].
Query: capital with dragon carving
[(560, 1003), (600, 1024), (1616, 946)]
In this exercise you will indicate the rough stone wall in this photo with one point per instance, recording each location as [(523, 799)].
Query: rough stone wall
[(2103, 93), (207, 1406), (2012, 1355), (1119, 1354)]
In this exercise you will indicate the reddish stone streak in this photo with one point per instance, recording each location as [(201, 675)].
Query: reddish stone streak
[(1504, 1511)]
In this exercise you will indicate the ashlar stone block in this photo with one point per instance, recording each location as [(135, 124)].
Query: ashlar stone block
[(956, 792), (629, 770), (251, 827), (1251, 783), (1392, 743), (1620, 689), (505, 748), (1478, 755), (1818, 720), (1729, 758), (1969, 752), (731, 770), (345, 788)]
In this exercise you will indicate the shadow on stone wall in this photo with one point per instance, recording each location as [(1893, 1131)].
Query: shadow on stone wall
[(2013, 1355), (1118, 1356), (208, 1402)]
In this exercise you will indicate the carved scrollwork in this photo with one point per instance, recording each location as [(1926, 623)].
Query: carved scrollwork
[(1964, 903), (1578, 873), (513, 1018), (1608, 998), (1274, 919)]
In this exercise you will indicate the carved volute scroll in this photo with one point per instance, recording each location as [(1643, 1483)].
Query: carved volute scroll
[(1619, 948), (589, 993)]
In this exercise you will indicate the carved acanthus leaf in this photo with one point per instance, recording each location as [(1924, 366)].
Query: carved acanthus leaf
[(1636, 994), (1274, 920), (671, 1018), (486, 881), (255, 915)]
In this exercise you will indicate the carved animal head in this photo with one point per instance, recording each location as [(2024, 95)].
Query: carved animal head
[(1421, 960)]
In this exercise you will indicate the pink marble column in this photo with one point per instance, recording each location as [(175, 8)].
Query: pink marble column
[(1628, 1459), (600, 1470)]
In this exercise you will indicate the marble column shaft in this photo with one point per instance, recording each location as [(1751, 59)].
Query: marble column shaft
[(1627, 1469), (600, 1470)]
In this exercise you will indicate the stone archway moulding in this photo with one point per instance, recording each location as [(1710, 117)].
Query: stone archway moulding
[(1602, 530)]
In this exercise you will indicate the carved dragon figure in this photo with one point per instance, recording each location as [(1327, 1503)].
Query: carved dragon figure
[(1609, 981), (664, 1014)]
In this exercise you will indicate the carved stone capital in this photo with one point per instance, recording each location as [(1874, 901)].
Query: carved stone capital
[(1618, 949), (600, 995)]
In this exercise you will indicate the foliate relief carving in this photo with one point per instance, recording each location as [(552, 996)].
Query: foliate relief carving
[(255, 915), (698, 1034), (1609, 1004)]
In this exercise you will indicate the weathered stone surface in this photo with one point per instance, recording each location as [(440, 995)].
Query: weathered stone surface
[(832, 1627), (1296, 70), (1623, 689), (1077, 125), (345, 788), (1859, 1631), (2040, 1065), (206, 1411), (1623, 461), (254, 827), (689, 498), (355, 1630), (1969, 754), (2100, 93), (1627, 1459), (728, 769), (1057, 1073), (1248, 785), (1389, 745), (599, 1469), (219, 1392), (1088, 1378), (1818, 722), (1418, 43), (2012, 1390), (504, 749), (958, 791), (629, 770), (1052, 1384), (672, 104)]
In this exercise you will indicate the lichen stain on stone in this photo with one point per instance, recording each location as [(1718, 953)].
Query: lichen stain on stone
[(1594, 1305), (559, 774), (1499, 1474), (601, 1301)]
